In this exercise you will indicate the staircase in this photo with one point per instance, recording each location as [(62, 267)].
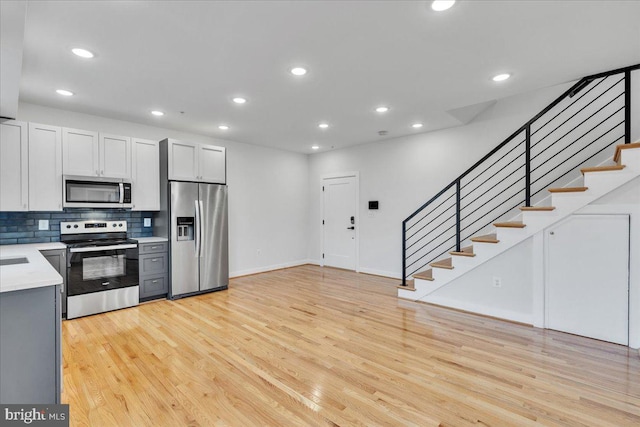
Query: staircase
[(597, 181), (572, 153)]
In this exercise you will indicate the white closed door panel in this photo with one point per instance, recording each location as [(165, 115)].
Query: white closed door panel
[(588, 277), (339, 229)]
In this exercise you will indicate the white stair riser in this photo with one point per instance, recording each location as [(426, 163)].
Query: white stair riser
[(485, 251), (631, 158), (509, 234), (599, 182), (462, 261), (540, 219), (441, 274), (570, 201)]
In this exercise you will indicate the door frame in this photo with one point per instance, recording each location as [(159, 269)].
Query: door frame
[(631, 342), (352, 174)]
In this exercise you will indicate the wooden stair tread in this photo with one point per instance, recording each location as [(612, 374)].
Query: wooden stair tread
[(537, 208), (568, 190), (424, 275), (510, 224), (446, 263), (468, 251), (602, 168), (619, 148), (489, 238), (409, 287)]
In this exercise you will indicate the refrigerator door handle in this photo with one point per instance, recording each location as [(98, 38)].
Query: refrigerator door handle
[(200, 227), (197, 230)]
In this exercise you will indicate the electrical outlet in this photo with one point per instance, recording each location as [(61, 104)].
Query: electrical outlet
[(43, 224), (147, 222), (497, 282)]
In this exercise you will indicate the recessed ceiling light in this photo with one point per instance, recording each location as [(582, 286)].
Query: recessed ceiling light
[(323, 125), (416, 125), (82, 53), (157, 113), (64, 92), (239, 100), (315, 147), (501, 77), (223, 127), (298, 71), (382, 109), (440, 5)]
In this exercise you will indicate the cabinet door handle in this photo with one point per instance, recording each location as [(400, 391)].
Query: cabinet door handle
[(154, 247), (97, 173), (101, 172), (154, 281), (154, 260)]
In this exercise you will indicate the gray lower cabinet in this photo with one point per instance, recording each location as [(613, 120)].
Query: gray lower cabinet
[(30, 354), (58, 259), (154, 270)]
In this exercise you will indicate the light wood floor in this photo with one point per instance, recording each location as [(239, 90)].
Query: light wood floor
[(310, 346)]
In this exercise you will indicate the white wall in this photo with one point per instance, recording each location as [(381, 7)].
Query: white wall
[(475, 292), (267, 190), (405, 172)]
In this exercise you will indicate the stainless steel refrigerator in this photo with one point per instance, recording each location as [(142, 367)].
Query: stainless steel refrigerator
[(199, 237)]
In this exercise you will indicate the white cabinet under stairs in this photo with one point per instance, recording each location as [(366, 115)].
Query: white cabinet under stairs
[(598, 182)]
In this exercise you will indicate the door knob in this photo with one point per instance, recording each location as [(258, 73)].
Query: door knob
[(351, 228)]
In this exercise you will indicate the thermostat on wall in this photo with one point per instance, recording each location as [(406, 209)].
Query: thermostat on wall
[(373, 205)]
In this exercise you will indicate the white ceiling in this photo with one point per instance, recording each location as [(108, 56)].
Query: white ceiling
[(195, 56)]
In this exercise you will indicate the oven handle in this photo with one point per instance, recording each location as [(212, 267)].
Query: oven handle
[(102, 248), (121, 192)]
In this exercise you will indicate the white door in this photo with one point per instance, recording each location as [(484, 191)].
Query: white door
[(339, 222), (45, 168), (588, 277), (115, 156), (145, 175), (212, 164), (80, 152)]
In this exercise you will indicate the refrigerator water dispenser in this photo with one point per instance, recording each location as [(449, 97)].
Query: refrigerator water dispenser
[(184, 228)]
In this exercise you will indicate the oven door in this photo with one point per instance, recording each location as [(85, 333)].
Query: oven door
[(97, 269)]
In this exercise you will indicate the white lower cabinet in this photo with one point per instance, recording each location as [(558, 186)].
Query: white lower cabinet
[(145, 185), (14, 166)]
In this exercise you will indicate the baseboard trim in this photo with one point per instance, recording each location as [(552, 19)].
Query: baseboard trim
[(498, 313), (251, 271), (381, 273)]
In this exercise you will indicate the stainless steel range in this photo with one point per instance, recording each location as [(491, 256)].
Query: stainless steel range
[(102, 267)]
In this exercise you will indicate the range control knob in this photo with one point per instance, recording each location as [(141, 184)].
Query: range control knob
[(68, 226), (75, 225), (114, 225), (120, 225)]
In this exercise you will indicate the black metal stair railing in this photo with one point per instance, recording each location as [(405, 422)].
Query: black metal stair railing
[(573, 131)]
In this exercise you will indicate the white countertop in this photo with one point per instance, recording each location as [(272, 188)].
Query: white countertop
[(151, 239), (34, 274)]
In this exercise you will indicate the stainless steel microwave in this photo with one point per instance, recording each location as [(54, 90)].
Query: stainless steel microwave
[(93, 192)]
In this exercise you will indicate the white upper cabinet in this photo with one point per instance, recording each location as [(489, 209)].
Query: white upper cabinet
[(80, 152), (212, 165), (14, 166), (189, 161), (115, 156), (183, 160), (145, 182), (87, 153), (45, 168)]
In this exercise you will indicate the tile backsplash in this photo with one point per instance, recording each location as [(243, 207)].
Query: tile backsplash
[(22, 227)]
